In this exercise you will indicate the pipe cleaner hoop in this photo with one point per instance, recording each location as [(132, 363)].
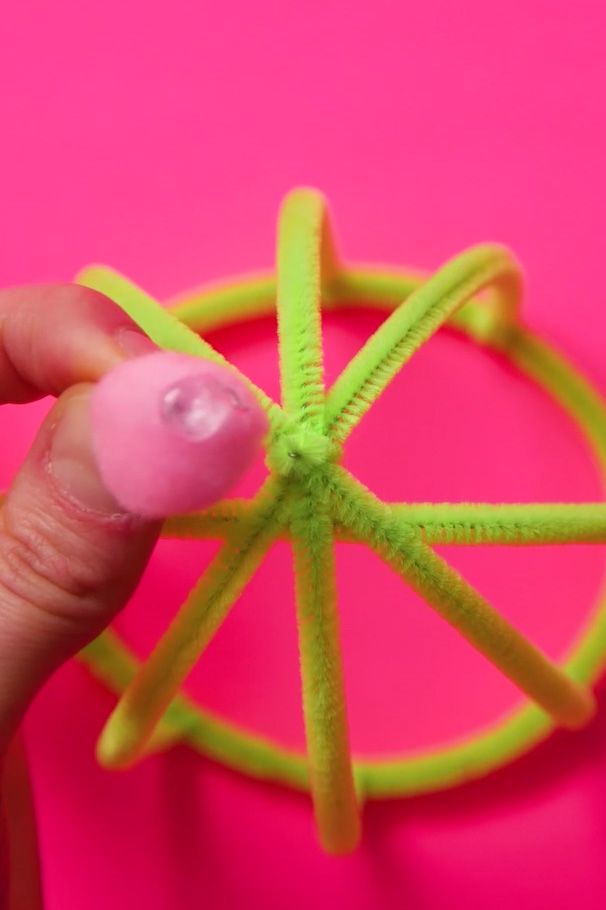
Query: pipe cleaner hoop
[(311, 500)]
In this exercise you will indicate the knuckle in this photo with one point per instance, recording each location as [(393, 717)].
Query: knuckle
[(37, 565)]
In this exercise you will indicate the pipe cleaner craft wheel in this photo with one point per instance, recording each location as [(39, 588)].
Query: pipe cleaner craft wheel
[(311, 500)]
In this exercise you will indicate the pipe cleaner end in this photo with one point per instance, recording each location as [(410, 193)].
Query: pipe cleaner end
[(114, 749)]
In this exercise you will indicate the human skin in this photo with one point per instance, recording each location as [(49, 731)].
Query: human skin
[(70, 555)]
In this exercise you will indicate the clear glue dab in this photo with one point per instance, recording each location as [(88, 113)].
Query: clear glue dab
[(197, 406), (173, 433)]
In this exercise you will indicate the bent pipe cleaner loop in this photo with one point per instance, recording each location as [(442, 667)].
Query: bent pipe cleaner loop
[(310, 500)]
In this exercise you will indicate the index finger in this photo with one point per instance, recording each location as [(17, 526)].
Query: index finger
[(54, 336)]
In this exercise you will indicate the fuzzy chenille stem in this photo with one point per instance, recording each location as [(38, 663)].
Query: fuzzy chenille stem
[(413, 323), (330, 768), (168, 332), (305, 257), (461, 605), (507, 524), (148, 696)]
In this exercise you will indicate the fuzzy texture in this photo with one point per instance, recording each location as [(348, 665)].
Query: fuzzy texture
[(138, 713), (303, 454), (310, 500)]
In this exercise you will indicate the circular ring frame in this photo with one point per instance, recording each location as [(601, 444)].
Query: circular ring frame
[(439, 767)]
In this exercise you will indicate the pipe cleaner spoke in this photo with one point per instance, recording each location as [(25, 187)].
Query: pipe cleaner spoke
[(452, 523), (218, 521), (302, 454), (524, 524), (148, 696), (116, 665), (413, 323), (461, 605), (305, 255), (160, 325), (321, 669)]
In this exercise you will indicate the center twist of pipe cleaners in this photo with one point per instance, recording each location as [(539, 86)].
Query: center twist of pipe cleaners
[(296, 450)]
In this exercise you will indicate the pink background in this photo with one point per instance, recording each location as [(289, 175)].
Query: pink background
[(160, 138)]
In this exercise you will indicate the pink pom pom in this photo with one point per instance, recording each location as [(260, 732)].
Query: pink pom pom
[(173, 433)]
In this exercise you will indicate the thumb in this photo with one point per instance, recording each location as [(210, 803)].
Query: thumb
[(70, 556)]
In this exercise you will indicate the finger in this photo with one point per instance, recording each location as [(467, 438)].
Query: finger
[(70, 557), (53, 336), (20, 884)]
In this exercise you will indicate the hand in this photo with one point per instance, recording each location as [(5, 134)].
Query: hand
[(70, 556)]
